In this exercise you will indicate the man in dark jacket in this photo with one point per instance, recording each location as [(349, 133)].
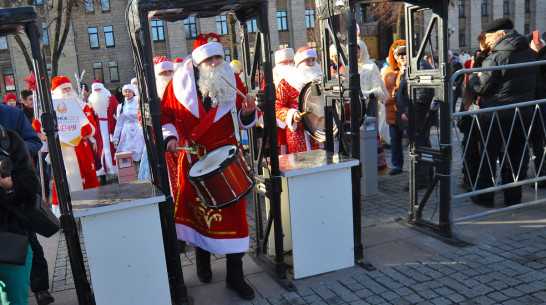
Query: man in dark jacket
[(499, 88), (420, 134), (14, 119)]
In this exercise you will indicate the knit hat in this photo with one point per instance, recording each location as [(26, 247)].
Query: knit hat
[(97, 85), (303, 53), (497, 25), (205, 46), (162, 64), (10, 96), (60, 82), (284, 54), (177, 63), (237, 66)]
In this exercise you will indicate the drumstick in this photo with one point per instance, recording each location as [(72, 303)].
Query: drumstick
[(183, 148), (307, 111), (233, 86)]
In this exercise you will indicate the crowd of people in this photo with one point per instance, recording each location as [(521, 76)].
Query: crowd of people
[(197, 97)]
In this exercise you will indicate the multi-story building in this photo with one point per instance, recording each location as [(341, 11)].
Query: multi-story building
[(98, 41)]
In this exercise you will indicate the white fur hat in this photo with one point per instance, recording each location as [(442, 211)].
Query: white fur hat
[(284, 54), (130, 87)]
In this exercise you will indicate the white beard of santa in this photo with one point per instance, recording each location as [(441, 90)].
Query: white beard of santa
[(283, 72), (213, 83), (58, 94), (161, 82), (99, 102), (308, 74)]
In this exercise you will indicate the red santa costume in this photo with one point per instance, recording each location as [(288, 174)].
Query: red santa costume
[(186, 118), (286, 105), (78, 160), (163, 64), (104, 105), (284, 66)]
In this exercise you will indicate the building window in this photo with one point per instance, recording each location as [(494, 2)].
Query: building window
[(310, 18), (527, 6), (282, 46), (461, 8), (191, 28), (221, 25), (282, 21), (114, 72), (157, 30), (227, 55), (252, 25), (9, 80), (38, 1), (89, 6), (45, 34), (105, 5), (93, 38), (3, 43), (462, 40), (109, 36), (506, 7), (526, 29), (97, 71), (484, 8)]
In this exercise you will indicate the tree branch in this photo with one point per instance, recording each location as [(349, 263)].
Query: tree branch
[(24, 51)]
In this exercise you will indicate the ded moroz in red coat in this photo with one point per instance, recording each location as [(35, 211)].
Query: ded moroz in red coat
[(218, 231), (111, 112), (286, 104)]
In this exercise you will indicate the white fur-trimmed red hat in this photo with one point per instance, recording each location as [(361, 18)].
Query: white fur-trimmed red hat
[(60, 82), (177, 63), (284, 54), (162, 64), (205, 46), (97, 85), (303, 53)]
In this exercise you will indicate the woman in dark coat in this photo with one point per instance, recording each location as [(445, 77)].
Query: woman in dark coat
[(17, 189)]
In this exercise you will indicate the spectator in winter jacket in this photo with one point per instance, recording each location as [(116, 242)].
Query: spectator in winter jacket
[(499, 88)]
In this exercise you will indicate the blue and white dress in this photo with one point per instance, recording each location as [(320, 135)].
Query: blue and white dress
[(128, 132)]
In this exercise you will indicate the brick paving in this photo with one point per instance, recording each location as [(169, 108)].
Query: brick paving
[(507, 271)]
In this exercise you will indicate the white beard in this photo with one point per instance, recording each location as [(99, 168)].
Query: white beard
[(100, 102), (283, 72), (212, 84), (307, 74), (58, 94), (161, 83)]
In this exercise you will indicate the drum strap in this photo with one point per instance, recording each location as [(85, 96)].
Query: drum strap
[(236, 125)]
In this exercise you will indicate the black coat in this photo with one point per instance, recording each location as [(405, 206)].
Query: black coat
[(25, 184), (505, 87)]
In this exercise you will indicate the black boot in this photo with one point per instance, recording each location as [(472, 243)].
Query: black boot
[(202, 258), (235, 279)]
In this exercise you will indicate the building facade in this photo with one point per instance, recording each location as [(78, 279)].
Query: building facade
[(98, 41)]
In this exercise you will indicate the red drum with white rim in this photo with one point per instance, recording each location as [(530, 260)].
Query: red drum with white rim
[(222, 178)]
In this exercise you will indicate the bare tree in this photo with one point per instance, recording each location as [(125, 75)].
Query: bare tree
[(59, 17)]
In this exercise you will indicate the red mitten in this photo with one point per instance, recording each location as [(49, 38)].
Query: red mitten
[(86, 130)]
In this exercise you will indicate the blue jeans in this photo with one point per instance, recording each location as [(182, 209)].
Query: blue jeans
[(397, 153), (14, 282)]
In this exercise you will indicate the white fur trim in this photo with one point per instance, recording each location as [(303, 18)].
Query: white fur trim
[(61, 87), (130, 87), (284, 54), (97, 86), (216, 246), (281, 124), (185, 91), (163, 66), (177, 65), (249, 125), (169, 131), (207, 50), (299, 57), (289, 120)]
